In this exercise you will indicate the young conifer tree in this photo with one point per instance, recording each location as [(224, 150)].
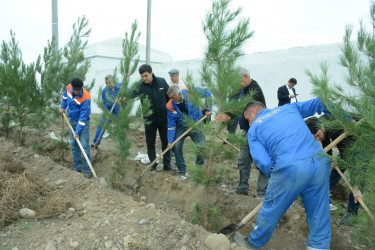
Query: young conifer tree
[(8, 64), (226, 34), (47, 89), (357, 97), (22, 87), (128, 65)]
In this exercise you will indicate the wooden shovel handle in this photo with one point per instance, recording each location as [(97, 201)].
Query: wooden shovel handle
[(80, 146), (102, 131), (251, 214), (166, 150), (352, 189), (328, 148)]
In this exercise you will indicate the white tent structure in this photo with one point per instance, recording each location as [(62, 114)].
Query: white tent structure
[(270, 69)]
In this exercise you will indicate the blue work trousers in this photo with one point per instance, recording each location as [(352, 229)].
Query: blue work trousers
[(308, 178), (84, 138), (99, 129), (197, 137)]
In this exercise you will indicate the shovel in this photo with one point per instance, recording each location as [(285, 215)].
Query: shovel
[(352, 189), (95, 149), (234, 226), (227, 142), (135, 183), (80, 146)]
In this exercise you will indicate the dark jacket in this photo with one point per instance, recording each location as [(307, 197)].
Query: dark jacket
[(283, 95), (331, 135), (156, 92), (258, 96)]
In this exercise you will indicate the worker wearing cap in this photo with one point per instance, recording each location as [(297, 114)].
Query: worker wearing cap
[(174, 74), (77, 101)]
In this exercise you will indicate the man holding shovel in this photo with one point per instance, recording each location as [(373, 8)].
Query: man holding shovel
[(325, 138), (109, 92), (179, 108), (77, 101), (284, 149)]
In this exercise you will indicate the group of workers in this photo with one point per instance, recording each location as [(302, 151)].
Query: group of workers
[(284, 148)]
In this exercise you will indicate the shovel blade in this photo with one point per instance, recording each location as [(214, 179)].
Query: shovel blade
[(229, 229)]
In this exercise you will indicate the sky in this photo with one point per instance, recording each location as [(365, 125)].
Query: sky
[(176, 25)]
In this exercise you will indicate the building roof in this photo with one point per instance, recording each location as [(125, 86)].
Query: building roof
[(112, 48)]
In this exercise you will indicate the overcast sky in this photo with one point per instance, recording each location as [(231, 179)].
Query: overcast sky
[(177, 24)]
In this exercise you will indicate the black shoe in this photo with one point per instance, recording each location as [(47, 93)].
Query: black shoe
[(241, 240), (153, 168), (239, 192), (88, 175), (169, 168)]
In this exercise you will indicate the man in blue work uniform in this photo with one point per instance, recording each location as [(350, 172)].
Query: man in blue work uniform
[(284, 149), (77, 101), (109, 95), (178, 108)]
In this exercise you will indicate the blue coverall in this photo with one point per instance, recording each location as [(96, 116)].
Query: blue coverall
[(112, 93), (283, 148)]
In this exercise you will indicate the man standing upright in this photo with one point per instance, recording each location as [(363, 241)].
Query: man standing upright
[(174, 74), (77, 101), (109, 95), (287, 93), (248, 86), (155, 89)]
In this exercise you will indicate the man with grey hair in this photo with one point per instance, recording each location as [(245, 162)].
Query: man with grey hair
[(179, 108), (109, 95), (174, 75), (248, 86)]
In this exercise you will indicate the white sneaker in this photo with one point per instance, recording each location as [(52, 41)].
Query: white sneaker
[(332, 207)]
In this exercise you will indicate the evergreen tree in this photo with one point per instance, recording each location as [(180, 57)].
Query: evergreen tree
[(357, 97), (128, 65), (226, 34), (22, 90)]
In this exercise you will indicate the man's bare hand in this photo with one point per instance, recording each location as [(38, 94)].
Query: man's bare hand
[(61, 111), (220, 118), (357, 194), (170, 145), (208, 113), (76, 137)]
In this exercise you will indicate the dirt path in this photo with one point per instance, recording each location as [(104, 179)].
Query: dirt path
[(157, 216)]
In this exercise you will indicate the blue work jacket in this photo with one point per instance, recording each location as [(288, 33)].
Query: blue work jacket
[(279, 136)]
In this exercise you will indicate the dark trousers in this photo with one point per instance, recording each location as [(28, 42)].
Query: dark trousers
[(150, 132), (244, 167)]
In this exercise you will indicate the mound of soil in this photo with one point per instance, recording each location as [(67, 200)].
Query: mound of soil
[(157, 215)]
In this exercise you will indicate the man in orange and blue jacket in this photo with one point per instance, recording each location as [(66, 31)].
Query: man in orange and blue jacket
[(77, 101), (179, 108)]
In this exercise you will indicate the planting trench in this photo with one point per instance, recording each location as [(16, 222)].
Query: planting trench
[(174, 195)]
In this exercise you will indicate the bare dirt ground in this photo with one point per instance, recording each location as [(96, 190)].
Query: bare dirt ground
[(156, 216)]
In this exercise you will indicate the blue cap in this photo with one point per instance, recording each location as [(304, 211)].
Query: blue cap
[(174, 71)]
